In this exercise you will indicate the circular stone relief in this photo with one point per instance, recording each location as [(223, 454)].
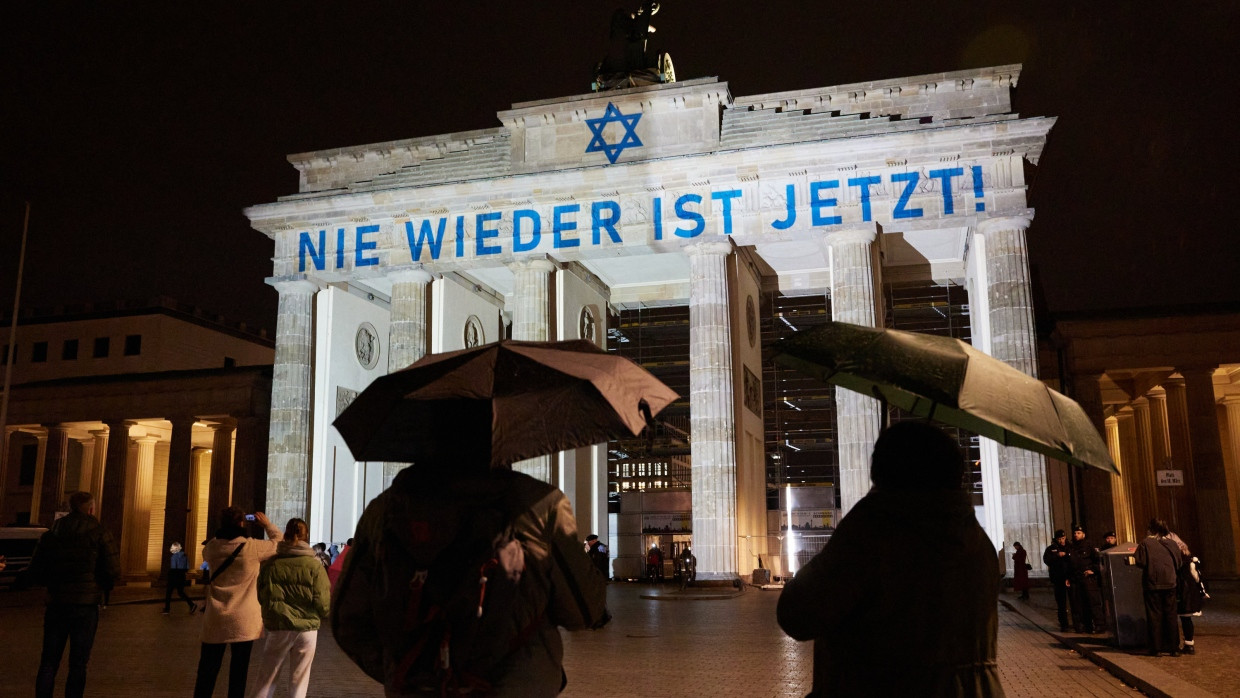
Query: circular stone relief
[(366, 345), (586, 325), (474, 336), (751, 321)]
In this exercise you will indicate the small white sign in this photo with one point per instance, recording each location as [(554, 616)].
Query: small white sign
[(1170, 478)]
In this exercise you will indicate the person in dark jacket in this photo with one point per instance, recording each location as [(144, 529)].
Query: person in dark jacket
[(874, 633), (598, 554), (1159, 559), (77, 560), (1190, 592), (178, 568), (542, 579), (1111, 542), (295, 595), (1020, 571), (1055, 557), (1084, 568)]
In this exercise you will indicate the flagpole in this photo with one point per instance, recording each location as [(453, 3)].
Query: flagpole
[(8, 363)]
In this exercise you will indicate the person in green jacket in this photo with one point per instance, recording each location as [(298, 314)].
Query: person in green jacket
[(295, 595)]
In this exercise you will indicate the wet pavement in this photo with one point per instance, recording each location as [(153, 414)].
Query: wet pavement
[(724, 645)]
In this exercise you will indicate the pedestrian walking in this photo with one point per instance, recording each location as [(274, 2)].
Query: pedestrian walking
[(654, 564), (233, 617), (1084, 569), (337, 567), (178, 568), (77, 560), (295, 596), (1020, 571), (1190, 593), (457, 582), (1055, 557), (876, 635)]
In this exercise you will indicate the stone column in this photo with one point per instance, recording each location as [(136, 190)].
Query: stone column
[(250, 463), (219, 489), (1216, 515), (712, 424), (1131, 468), (1095, 505), (199, 491), (858, 418), (292, 401), (86, 465), (408, 337), (1231, 408), (176, 498), (1141, 481), (531, 321), (1120, 503), (52, 488), (137, 528), (1013, 340), (99, 460), (1183, 505), (1160, 447), (111, 508)]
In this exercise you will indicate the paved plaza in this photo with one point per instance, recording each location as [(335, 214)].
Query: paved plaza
[(720, 647)]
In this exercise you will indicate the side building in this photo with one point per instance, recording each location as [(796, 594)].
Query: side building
[(160, 411)]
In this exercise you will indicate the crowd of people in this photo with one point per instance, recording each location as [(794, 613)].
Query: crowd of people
[(460, 586)]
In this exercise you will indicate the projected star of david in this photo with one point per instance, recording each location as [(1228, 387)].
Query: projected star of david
[(613, 116)]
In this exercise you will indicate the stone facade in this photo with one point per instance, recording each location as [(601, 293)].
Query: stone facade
[(648, 193)]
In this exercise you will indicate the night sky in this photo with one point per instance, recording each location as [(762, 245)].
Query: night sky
[(140, 133)]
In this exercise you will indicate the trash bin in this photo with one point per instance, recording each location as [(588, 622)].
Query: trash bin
[(761, 576), (1122, 595)]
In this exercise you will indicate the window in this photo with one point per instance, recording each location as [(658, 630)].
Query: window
[(133, 344), (4, 356), (230, 362), (38, 352), (102, 347), (69, 350)]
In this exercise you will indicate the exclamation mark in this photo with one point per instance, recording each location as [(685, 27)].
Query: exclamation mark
[(977, 188)]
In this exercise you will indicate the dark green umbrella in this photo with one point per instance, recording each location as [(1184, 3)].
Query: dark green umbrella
[(948, 380)]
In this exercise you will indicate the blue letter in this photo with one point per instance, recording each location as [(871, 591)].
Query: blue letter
[(901, 210), (792, 212), (864, 183), (658, 217), (305, 244), (339, 248), (598, 222), (535, 234), (358, 259), (726, 197), (816, 205), (559, 225), (977, 188), (686, 215), (946, 175), (460, 236), (485, 232), (434, 238)]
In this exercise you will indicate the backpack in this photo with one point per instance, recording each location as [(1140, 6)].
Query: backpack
[(438, 578)]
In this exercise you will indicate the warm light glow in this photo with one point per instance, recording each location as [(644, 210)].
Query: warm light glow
[(788, 510)]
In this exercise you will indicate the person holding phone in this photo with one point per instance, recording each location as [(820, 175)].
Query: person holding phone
[(233, 616)]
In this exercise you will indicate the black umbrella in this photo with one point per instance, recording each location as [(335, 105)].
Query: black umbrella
[(948, 380), (501, 402)]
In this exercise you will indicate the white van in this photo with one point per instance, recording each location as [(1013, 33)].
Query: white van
[(17, 545)]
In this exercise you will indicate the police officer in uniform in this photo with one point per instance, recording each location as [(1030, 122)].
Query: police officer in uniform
[(1056, 560)]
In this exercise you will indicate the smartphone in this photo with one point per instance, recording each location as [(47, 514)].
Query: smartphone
[(249, 517)]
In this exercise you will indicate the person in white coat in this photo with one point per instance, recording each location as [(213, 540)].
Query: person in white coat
[(233, 616)]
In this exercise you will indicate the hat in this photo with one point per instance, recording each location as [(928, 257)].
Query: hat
[(591, 537), (1077, 527), (1110, 534), (1059, 533)]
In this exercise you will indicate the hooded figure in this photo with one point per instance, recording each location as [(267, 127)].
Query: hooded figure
[(875, 634)]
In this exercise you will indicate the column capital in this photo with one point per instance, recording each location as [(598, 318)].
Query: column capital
[(412, 274), (538, 263), (148, 439), (1197, 369), (1016, 220), (294, 284), (1231, 400), (98, 432), (858, 234), (713, 247)]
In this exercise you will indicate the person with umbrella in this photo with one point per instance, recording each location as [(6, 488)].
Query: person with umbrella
[(873, 633)]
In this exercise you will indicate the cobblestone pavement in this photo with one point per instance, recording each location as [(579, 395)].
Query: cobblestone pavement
[(724, 647), (1212, 670)]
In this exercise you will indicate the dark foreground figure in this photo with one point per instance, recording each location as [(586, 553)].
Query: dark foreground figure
[(455, 586), (77, 561), (879, 631)]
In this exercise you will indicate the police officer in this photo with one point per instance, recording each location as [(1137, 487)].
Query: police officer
[(1084, 564), (1056, 560)]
